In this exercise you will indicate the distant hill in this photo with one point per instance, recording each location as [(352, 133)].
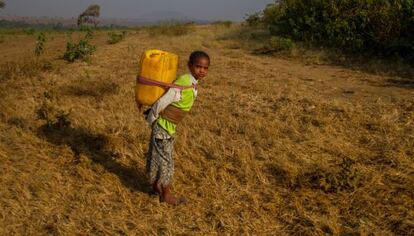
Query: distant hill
[(146, 19), (25, 20), (158, 16)]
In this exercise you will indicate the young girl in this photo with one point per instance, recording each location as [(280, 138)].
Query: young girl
[(163, 117)]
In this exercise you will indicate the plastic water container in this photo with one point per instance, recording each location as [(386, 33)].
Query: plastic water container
[(159, 66)]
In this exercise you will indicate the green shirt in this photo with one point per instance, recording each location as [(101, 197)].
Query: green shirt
[(188, 97)]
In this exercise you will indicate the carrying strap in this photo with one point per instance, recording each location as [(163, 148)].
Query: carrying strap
[(146, 81), (173, 114)]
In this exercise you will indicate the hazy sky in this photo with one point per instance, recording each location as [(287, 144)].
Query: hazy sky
[(195, 9)]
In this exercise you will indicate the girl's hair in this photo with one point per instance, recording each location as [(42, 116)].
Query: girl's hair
[(196, 55)]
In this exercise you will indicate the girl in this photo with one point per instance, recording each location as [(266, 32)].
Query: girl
[(163, 117)]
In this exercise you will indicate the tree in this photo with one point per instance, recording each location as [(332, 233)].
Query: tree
[(90, 15), (2, 4)]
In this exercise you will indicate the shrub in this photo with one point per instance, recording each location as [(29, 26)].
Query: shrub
[(226, 24), (116, 37), (40, 44), (383, 27), (277, 44), (50, 112), (81, 50), (281, 44), (29, 31)]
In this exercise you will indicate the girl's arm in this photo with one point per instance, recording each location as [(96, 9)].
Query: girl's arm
[(172, 95)]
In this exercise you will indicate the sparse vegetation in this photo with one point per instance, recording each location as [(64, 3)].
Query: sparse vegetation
[(40, 44), (226, 24), (50, 112), (29, 31), (171, 29), (272, 147), (81, 50), (116, 37)]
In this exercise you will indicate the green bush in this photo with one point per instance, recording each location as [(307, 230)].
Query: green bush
[(40, 44), (276, 44), (383, 27), (281, 44), (29, 31), (254, 20), (116, 37), (81, 50)]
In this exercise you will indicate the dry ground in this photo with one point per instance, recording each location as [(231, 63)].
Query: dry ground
[(272, 146)]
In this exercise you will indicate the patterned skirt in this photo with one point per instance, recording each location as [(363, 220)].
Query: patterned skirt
[(160, 162)]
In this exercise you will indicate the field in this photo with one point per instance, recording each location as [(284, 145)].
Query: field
[(273, 146)]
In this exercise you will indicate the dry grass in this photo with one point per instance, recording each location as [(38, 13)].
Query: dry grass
[(272, 146), (171, 29)]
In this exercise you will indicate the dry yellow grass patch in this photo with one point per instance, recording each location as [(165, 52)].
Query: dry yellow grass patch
[(272, 147)]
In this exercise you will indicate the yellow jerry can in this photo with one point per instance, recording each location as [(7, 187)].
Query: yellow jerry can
[(157, 68)]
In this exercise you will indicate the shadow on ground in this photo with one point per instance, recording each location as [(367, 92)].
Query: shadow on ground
[(95, 147), (95, 89), (258, 42), (401, 83), (394, 82)]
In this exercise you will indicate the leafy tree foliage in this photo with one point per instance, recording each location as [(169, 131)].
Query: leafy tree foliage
[(385, 27), (2, 4), (90, 15), (255, 19)]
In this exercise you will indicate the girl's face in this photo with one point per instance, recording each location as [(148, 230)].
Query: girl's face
[(199, 69)]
